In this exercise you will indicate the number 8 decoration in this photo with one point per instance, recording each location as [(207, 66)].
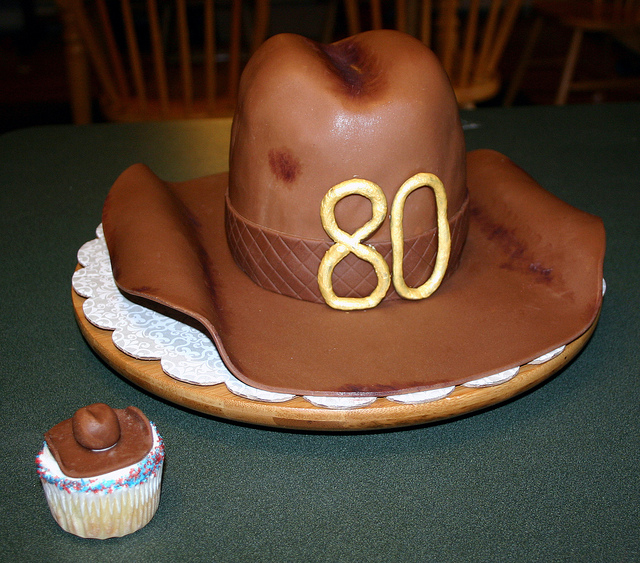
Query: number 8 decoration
[(346, 243)]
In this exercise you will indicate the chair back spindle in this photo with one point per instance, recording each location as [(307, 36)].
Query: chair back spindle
[(158, 57), (209, 53)]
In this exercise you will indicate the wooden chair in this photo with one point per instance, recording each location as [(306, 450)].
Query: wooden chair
[(582, 16), (145, 59), (468, 38)]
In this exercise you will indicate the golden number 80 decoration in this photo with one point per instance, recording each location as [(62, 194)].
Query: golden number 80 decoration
[(346, 243)]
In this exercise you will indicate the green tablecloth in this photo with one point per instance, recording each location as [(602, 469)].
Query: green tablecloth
[(552, 475)]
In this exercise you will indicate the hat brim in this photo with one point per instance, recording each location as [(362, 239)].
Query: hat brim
[(529, 281)]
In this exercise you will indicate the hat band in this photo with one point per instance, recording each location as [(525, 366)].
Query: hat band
[(288, 265)]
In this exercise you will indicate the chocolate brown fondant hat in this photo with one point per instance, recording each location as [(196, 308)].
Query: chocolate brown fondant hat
[(354, 247)]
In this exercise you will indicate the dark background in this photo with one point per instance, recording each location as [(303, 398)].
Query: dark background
[(33, 85)]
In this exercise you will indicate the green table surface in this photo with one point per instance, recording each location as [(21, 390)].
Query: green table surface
[(552, 475)]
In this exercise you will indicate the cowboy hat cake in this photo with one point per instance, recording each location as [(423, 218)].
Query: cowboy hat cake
[(355, 247)]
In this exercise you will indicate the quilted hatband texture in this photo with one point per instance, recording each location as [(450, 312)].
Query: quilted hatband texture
[(288, 265)]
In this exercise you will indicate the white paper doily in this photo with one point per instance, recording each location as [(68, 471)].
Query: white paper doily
[(189, 355)]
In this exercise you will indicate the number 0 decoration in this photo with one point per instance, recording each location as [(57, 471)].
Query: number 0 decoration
[(346, 243)]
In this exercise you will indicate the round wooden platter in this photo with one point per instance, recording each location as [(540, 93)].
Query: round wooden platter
[(298, 413)]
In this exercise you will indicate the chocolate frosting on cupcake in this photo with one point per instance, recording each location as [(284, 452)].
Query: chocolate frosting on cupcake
[(99, 439)]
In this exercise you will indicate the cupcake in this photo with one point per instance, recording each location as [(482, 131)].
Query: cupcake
[(101, 471)]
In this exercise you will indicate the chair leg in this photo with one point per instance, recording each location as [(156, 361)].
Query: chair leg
[(523, 64), (77, 71), (261, 23), (328, 28), (235, 48), (569, 67), (80, 89), (353, 17)]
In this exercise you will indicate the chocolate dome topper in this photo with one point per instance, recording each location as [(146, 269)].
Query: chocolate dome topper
[(241, 252)]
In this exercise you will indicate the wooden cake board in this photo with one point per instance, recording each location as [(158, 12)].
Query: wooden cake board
[(298, 413)]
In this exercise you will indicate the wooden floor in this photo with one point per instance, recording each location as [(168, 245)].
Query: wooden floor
[(33, 88)]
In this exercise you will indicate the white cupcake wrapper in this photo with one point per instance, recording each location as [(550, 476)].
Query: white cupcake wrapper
[(105, 515)]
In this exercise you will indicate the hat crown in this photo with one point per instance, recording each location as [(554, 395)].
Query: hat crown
[(376, 106)]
